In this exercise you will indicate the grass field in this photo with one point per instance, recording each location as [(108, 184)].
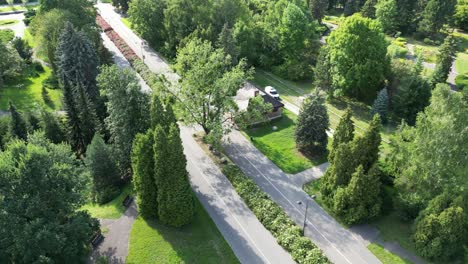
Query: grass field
[(280, 147), (8, 22), (111, 210), (461, 63), (385, 256), (12, 8), (294, 92), (198, 242), (392, 228), (6, 35), (26, 93)]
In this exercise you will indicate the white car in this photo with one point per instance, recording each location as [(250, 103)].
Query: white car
[(272, 92)]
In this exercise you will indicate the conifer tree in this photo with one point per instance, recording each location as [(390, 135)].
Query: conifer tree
[(312, 124), (317, 9), (445, 57), (143, 174), (157, 115), (18, 126), (436, 13), (103, 169), (344, 132), (228, 42), (360, 200), (75, 133), (366, 148), (368, 10), (52, 128), (380, 106)]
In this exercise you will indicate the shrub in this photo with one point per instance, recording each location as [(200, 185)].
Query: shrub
[(287, 233), (462, 82), (6, 35), (45, 96), (37, 66), (396, 51)]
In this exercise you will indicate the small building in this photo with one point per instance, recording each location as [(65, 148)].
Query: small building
[(249, 91)]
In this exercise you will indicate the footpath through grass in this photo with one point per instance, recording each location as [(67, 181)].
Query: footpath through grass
[(26, 92), (111, 210), (280, 147), (386, 256), (199, 242)]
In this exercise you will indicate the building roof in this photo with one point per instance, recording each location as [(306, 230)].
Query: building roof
[(269, 99)]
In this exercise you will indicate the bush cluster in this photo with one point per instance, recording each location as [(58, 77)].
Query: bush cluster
[(287, 233)]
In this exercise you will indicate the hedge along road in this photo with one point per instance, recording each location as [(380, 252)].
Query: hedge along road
[(248, 238)]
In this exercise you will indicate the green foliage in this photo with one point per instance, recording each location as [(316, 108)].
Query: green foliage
[(18, 126), (317, 9), (368, 10), (6, 35), (41, 185), (312, 125), (228, 42), (386, 12), (411, 91), (127, 108), (207, 86), (396, 51), (287, 233), (103, 168), (147, 17), (436, 13), (23, 48), (344, 132), (143, 174), (445, 58), (257, 112), (52, 127), (380, 106), (440, 228), (357, 58), (10, 64), (430, 157), (360, 200), (462, 82), (461, 14)]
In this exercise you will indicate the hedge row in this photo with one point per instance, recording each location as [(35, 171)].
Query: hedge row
[(287, 233)]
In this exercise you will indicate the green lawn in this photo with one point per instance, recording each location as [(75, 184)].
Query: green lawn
[(8, 22), (12, 8), (293, 91), (461, 63), (385, 256), (428, 52), (198, 242), (280, 147), (26, 93), (392, 228), (111, 210)]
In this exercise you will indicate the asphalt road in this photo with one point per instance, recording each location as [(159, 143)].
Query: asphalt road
[(248, 238)]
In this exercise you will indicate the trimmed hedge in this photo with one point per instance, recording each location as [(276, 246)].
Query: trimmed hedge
[(287, 233)]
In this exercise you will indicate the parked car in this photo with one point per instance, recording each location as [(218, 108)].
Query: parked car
[(272, 92)]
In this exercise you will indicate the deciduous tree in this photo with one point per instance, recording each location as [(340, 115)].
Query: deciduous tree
[(386, 11), (317, 9), (436, 13)]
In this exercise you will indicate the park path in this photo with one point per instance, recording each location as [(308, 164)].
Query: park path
[(116, 239), (17, 28)]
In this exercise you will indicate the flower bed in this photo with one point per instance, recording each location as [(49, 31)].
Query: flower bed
[(128, 53)]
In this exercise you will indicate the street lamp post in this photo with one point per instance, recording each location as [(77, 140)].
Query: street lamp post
[(305, 215)]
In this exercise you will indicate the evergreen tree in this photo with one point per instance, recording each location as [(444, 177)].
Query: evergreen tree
[(312, 124), (33, 122), (445, 58), (386, 12), (88, 120), (175, 197), (317, 9), (436, 13), (103, 169), (228, 42), (366, 148), (351, 7), (75, 133), (128, 109), (322, 76), (368, 10), (360, 200), (143, 174), (157, 113), (18, 126), (344, 132), (380, 106), (52, 128)]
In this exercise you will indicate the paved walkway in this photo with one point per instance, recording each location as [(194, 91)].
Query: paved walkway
[(308, 175), (115, 243), (17, 28)]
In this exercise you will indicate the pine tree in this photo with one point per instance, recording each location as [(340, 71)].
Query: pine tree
[(366, 148), (228, 42), (368, 10), (445, 57), (52, 128), (344, 132), (32, 122), (317, 9), (88, 120), (360, 200), (75, 133), (380, 106), (312, 124), (18, 126), (143, 174), (103, 169)]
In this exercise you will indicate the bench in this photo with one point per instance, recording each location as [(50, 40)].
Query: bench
[(97, 239), (127, 201)]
